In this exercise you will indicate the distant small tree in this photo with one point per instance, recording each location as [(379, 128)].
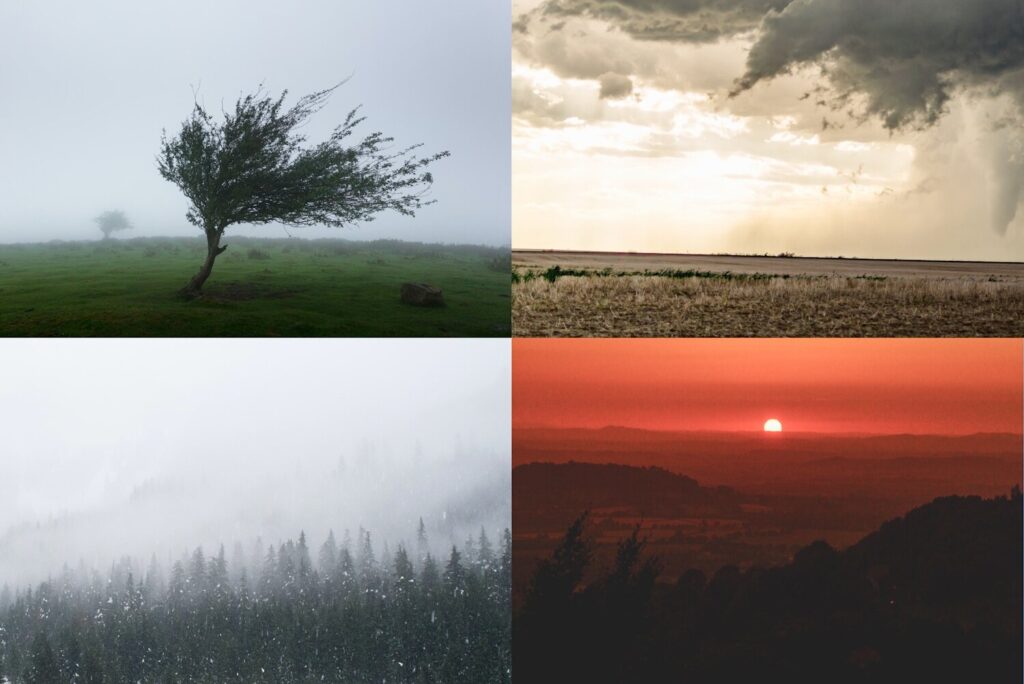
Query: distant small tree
[(252, 167), (112, 221)]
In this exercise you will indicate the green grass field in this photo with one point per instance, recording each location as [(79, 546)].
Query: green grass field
[(258, 288)]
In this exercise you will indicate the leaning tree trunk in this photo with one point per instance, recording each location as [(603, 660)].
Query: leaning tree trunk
[(213, 250)]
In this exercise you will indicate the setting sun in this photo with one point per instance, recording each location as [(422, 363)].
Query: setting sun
[(772, 425)]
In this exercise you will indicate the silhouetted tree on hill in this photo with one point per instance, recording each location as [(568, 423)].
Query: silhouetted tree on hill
[(932, 596), (570, 631)]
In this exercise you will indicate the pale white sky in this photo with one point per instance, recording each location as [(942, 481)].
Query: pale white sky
[(87, 88), (136, 446)]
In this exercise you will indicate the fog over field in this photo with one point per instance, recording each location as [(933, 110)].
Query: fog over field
[(119, 448), (87, 89)]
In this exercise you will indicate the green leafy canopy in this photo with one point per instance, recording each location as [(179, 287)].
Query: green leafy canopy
[(254, 167)]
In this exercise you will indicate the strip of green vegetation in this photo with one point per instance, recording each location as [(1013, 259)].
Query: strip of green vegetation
[(259, 288), (555, 272)]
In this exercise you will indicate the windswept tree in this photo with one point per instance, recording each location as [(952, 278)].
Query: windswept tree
[(254, 167), (111, 222)]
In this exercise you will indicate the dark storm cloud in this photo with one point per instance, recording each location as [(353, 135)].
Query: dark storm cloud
[(905, 60), (907, 56), (615, 86), (696, 21)]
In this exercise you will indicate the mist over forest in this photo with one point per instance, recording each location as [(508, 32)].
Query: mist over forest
[(228, 442)]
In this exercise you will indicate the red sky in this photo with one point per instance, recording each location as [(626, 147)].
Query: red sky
[(815, 385)]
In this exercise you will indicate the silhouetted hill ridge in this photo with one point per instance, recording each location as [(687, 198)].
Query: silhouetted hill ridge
[(954, 550), (591, 485)]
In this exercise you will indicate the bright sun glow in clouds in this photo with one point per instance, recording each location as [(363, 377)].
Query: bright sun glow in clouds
[(622, 142), (772, 425)]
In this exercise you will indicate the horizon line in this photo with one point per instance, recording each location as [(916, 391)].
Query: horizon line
[(612, 426), (543, 250), (236, 236)]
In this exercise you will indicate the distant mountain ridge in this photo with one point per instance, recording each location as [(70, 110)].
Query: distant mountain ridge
[(909, 469), (615, 438), (591, 485)]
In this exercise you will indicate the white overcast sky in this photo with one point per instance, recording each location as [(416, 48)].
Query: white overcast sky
[(85, 89), (133, 447)]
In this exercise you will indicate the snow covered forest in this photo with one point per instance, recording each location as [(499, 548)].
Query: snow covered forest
[(271, 614)]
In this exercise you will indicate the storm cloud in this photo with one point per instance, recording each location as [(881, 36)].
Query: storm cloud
[(907, 57), (902, 62), (696, 21), (889, 107)]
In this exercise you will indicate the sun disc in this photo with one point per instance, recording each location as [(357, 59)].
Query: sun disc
[(772, 425)]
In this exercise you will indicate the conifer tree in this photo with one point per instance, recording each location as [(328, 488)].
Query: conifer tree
[(210, 623), (329, 556), (42, 668)]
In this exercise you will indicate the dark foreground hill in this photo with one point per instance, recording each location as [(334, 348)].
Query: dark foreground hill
[(693, 526), (933, 596)]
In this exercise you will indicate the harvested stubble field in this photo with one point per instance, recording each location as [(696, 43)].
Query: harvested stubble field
[(786, 301)]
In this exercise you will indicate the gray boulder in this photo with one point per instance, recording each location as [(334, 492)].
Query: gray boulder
[(422, 294)]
